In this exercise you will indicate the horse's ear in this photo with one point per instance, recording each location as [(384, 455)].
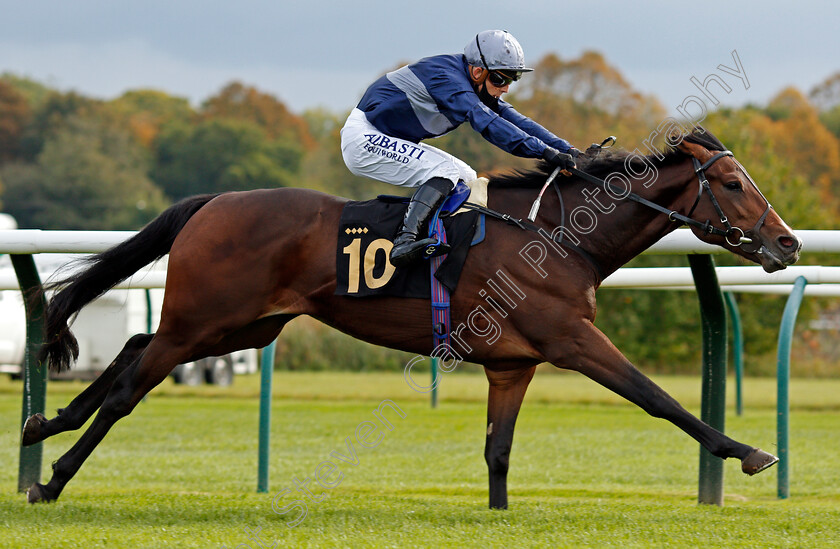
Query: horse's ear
[(693, 149)]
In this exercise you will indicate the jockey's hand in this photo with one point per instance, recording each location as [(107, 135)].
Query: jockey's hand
[(561, 160)]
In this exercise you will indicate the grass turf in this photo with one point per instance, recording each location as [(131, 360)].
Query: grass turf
[(586, 470)]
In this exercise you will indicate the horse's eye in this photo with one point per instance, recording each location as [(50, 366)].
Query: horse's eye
[(733, 186)]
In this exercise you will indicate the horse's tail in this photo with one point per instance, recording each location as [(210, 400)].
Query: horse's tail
[(103, 272)]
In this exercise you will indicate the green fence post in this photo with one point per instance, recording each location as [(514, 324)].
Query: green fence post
[(434, 368), (737, 351), (34, 374), (713, 399), (266, 373), (149, 323), (149, 311), (782, 382)]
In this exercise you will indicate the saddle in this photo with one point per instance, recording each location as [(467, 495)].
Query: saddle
[(365, 233)]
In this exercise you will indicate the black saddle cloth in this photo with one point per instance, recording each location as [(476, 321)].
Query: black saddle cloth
[(365, 238)]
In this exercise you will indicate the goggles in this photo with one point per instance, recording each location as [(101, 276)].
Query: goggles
[(501, 79)]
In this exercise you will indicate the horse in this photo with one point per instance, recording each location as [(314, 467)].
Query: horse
[(243, 264)]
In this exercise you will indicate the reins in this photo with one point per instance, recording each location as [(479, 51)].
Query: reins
[(706, 227), (728, 232)]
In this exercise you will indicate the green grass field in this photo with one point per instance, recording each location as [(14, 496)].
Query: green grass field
[(587, 470)]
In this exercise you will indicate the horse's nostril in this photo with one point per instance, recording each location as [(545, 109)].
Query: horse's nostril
[(787, 241)]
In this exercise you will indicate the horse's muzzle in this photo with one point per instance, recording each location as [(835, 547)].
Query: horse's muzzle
[(778, 253)]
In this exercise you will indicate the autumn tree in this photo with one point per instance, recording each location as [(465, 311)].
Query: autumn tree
[(780, 164), (795, 132), (249, 104), (34, 92), (221, 155), (826, 97), (586, 99), (14, 116), (87, 176), (52, 116), (144, 112)]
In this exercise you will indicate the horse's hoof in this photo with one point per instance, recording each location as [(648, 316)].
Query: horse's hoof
[(32, 430), (36, 494), (757, 461)]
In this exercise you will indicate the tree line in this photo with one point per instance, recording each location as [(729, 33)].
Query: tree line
[(69, 161)]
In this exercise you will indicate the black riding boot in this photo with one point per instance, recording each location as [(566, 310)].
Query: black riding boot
[(426, 199)]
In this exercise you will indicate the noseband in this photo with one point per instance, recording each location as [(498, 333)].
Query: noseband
[(740, 237)]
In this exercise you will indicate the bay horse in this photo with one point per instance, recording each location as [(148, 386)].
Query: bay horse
[(243, 264)]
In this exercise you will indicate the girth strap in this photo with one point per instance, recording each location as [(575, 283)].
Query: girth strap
[(441, 325)]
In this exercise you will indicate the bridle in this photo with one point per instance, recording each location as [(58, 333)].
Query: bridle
[(740, 236), (734, 236)]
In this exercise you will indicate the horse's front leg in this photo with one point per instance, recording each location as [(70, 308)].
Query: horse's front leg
[(507, 389), (585, 349)]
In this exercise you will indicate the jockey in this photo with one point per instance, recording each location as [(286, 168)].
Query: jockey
[(382, 136)]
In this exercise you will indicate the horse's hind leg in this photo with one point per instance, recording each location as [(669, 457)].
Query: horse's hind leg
[(591, 353), (141, 376), (72, 417), (38, 427), (507, 389)]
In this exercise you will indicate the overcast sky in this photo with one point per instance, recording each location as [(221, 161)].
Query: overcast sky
[(324, 53)]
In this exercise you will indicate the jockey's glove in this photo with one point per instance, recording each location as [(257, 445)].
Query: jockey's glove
[(561, 160)]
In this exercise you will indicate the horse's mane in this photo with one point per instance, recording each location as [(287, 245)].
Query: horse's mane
[(607, 162)]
